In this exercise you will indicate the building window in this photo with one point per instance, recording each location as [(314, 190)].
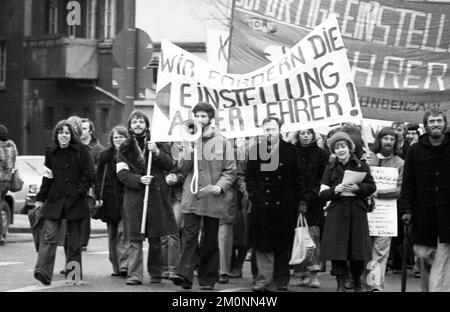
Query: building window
[(91, 13), (48, 118), (110, 19), (53, 17), (2, 64), (104, 120)]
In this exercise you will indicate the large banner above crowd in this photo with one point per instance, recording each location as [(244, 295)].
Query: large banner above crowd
[(399, 51), (310, 86)]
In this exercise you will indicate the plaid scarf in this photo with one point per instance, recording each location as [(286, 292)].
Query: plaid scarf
[(8, 154)]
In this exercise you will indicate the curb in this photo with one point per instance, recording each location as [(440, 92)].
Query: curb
[(28, 230)]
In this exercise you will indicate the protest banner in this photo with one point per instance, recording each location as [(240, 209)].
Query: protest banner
[(310, 86), (383, 220), (398, 50)]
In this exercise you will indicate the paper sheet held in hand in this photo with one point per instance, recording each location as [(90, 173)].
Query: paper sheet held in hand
[(354, 177)]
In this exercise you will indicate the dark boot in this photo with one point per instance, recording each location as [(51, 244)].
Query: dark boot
[(340, 283), (357, 284)]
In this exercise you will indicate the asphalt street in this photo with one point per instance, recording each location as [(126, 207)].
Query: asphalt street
[(18, 257)]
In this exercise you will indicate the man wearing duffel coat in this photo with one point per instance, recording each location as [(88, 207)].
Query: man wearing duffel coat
[(425, 201)]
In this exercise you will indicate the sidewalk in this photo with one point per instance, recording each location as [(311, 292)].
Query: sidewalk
[(22, 225)]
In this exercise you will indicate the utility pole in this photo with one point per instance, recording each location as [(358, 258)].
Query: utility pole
[(130, 58)]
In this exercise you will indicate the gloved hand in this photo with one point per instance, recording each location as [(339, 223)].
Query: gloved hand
[(406, 218)]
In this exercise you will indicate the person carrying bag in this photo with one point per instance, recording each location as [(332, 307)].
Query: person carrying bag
[(8, 156), (303, 244)]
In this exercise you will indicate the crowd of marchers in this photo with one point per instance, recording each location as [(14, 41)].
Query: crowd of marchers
[(205, 217)]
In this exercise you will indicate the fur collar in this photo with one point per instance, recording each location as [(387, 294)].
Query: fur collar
[(107, 155), (130, 153)]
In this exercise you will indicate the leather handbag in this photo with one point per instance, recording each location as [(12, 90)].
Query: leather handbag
[(35, 216), (97, 211), (16, 181), (370, 204)]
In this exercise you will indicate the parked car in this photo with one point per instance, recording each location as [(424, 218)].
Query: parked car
[(31, 169)]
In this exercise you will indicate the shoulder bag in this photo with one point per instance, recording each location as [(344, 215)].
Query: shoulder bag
[(16, 181)]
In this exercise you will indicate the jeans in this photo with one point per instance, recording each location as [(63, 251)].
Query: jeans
[(2, 234), (3, 190), (225, 247), (118, 247), (440, 270), (434, 267), (207, 252), (171, 243), (312, 262), (136, 259), (48, 245), (377, 267)]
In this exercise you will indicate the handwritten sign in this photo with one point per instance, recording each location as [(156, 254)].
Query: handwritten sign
[(383, 220), (385, 178)]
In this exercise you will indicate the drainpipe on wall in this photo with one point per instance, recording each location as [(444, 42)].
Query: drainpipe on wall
[(130, 58)]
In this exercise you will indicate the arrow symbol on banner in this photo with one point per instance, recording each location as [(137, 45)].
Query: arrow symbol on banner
[(163, 100)]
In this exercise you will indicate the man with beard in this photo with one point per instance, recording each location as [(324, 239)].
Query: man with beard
[(275, 192), (160, 221), (385, 154), (413, 134), (425, 201), (203, 210)]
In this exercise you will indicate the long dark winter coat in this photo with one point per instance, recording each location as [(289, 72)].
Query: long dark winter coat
[(160, 217), (313, 161), (73, 174), (426, 191), (113, 189), (275, 196), (346, 230)]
